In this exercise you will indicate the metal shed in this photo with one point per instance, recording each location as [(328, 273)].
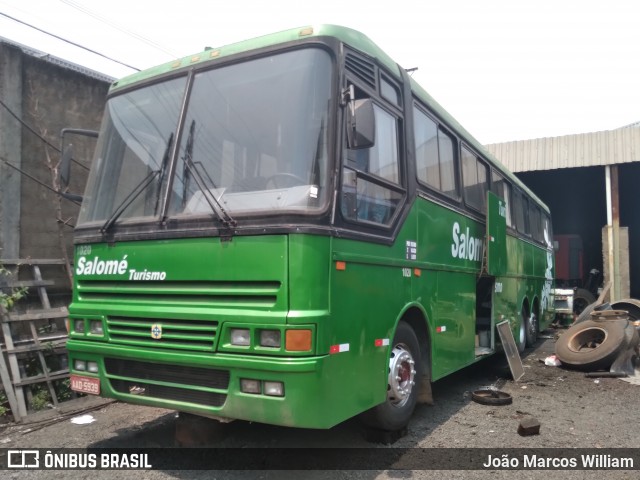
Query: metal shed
[(590, 181)]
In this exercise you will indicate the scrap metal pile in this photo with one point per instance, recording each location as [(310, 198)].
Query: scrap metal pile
[(603, 337)]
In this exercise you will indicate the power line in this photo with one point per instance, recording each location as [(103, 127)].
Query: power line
[(112, 24), (28, 127), (69, 41), (31, 177)]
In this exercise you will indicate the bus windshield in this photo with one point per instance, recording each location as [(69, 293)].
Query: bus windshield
[(253, 142)]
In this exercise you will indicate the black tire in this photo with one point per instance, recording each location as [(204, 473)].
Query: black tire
[(591, 345), (581, 299), (531, 329), (491, 397), (586, 313), (394, 413), (631, 305)]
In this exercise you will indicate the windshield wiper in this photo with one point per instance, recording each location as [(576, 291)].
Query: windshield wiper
[(146, 181), (190, 168), (141, 187), (163, 168)]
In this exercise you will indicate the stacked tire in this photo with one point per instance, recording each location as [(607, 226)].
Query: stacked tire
[(597, 339)]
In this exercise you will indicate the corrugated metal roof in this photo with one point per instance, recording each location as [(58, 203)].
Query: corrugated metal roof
[(58, 61), (583, 150)]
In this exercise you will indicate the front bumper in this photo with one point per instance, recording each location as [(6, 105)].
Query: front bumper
[(209, 384)]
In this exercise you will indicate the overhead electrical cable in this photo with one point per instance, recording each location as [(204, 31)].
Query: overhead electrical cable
[(112, 24), (28, 127), (69, 41), (31, 177)]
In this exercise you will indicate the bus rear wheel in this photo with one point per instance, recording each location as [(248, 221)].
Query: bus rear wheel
[(402, 384), (521, 341), (531, 335)]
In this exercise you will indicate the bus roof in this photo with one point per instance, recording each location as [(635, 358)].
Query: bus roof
[(349, 36), (354, 39)]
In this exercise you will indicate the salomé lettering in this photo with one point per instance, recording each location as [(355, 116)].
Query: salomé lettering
[(464, 245), (98, 266)]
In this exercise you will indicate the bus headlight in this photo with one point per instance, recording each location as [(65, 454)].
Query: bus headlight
[(270, 338), (78, 326), (80, 365), (250, 386), (240, 337), (92, 367), (95, 327), (274, 389)]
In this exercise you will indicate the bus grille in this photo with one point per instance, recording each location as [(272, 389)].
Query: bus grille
[(211, 399), (169, 373), (168, 333), (211, 294), (145, 379)]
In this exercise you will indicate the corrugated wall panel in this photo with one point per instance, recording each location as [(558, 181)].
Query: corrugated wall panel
[(581, 150)]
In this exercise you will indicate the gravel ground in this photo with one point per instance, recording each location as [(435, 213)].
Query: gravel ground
[(574, 411)]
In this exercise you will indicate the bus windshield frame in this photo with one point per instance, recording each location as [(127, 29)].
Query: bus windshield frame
[(242, 141)]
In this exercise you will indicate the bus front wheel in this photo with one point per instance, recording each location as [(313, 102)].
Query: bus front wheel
[(402, 384)]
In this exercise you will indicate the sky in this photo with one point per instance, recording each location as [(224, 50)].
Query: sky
[(505, 69)]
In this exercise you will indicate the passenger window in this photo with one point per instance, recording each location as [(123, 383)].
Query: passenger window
[(474, 179), (546, 230), (518, 211), (447, 164), (435, 155), (501, 187), (389, 91), (427, 150), (536, 224), (521, 208), (525, 214)]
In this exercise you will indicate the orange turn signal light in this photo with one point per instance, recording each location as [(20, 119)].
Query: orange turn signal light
[(298, 340)]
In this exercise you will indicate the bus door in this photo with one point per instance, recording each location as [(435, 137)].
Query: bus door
[(489, 285)]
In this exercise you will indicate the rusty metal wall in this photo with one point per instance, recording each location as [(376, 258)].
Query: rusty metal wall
[(570, 151)]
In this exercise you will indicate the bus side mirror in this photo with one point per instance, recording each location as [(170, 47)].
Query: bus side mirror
[(65, 165), (67, 152), (361, 124)]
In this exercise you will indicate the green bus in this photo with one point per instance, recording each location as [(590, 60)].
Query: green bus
[(290, 230)]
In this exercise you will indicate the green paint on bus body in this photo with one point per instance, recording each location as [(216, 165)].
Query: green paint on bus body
[(291, 281)]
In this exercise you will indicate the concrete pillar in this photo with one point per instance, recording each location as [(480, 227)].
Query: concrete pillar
[(613, 253), (620, 275), (10, 150)]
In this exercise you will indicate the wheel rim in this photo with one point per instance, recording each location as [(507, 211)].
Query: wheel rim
[(587, 340), (532, 326), (401, 376)]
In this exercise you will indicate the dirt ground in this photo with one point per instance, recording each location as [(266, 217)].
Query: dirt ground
[(573, 410)]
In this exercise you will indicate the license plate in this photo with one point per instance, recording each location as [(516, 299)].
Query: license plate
[(85, 384)]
